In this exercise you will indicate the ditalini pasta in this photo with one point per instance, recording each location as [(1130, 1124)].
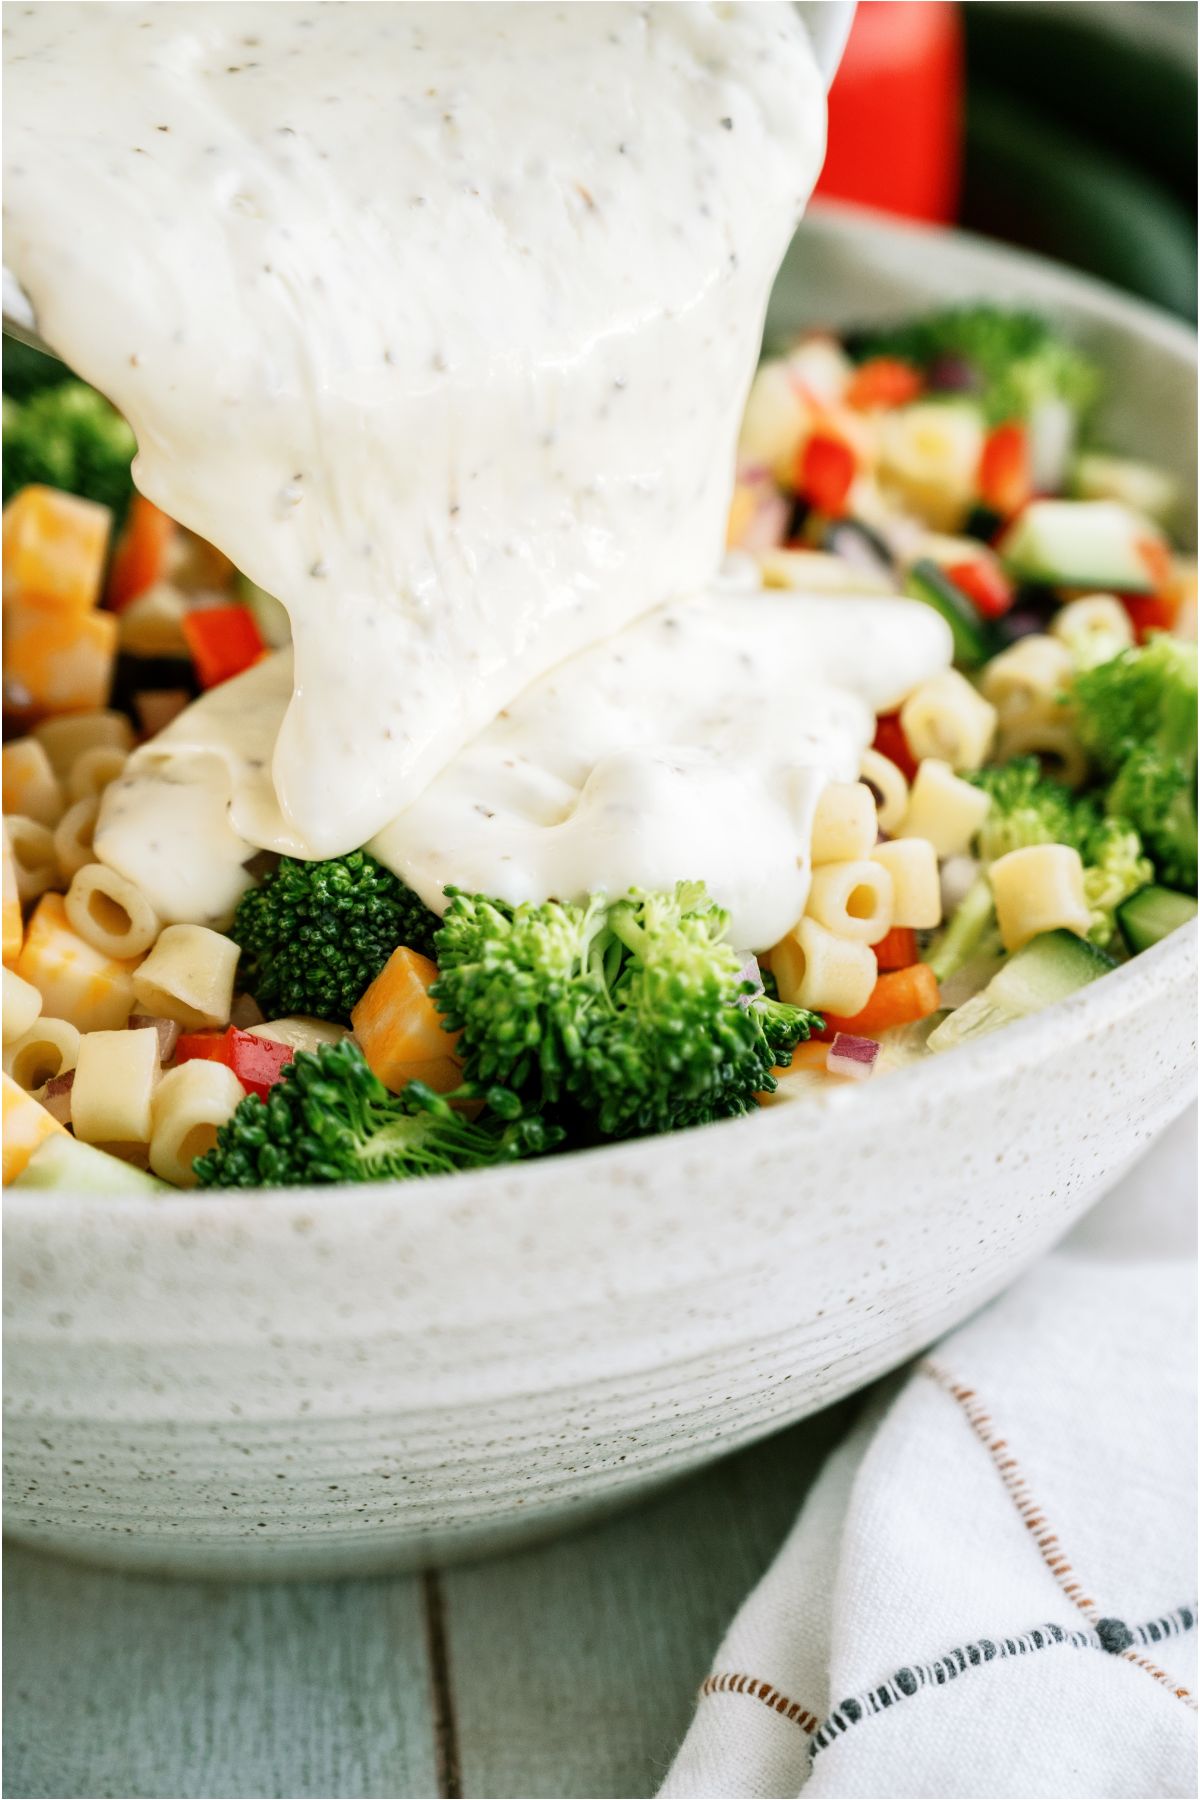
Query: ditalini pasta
[(815, 968), (845, 824), (943, 808), (889, 785), (111, 913), (48, 1047), (115, 1077), (911, 866), (190, 1103), (34, 856), (92, 771), (946, 717), (189, 976), (73, 838), (66, 739), (1034, 673), (852, 900), (31, 787), (22, 1004), (1039, 888)]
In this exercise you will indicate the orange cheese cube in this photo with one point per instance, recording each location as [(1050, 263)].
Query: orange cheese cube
[(91, 991), (14, 928), (400, 1027), (55, 546), (26, 1125), (56, 661)]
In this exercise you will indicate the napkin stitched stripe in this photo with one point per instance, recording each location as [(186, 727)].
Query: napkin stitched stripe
[(1009, 1471), (730, 1682), (1110, 1636)]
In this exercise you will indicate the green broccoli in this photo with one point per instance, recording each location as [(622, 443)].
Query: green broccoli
[(68, 436), (638, 1012), (329, 1119), (1136, 717), (1030, 808), (1016, 359), (314, 935)]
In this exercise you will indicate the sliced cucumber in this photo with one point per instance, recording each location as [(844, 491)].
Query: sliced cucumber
[(974, 639), (1153, 913), (1047, 969), (64, 1163), (1144, 486), (1081, 544)]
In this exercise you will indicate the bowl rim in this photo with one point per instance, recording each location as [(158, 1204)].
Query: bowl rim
[(1095, 1009)]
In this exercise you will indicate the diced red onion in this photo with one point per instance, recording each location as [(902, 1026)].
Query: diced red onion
[(167, 1029), (750, 971), (56, 1096), (768, 527), (950, 374), (853, 1056), (246, 1013)]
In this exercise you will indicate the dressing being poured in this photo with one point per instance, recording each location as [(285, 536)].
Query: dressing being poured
[(439, 320)]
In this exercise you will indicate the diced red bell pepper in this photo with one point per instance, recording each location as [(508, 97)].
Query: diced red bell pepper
[(1156, 559), (223, 640), (985, 584), (1150, 612), (258, 1062), (883, 381), (139, 558), (825, 471), (1006, 469), (891, 742)]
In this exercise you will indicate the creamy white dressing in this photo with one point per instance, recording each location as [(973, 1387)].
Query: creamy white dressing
[(439, 320)]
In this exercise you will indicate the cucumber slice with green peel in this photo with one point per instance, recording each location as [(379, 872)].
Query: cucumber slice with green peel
[(1152, 914), (1046, 969), (974, 639), (1082, 544), (64, 1163)]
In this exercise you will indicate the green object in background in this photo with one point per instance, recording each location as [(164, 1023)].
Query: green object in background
[(1038, 184)]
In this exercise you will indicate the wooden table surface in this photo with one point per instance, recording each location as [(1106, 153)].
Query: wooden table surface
[(569, 1669)]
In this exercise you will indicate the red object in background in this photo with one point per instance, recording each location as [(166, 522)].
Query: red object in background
[(985, 584), (825, 472), (257, 1062), (895, 111), (891, 742)]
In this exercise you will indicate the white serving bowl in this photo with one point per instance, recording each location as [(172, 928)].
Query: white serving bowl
[(339, 1381)]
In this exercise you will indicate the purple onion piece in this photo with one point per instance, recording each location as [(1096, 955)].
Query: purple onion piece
[(751, 972), (851, 1055), (167, 1029), (950, 374)]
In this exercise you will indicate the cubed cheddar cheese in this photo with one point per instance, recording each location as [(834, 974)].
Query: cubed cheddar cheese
[(55, 546), (92, 991), (400, 1027), (14, 928), (56, 661), (26, 1125), (31, 787)]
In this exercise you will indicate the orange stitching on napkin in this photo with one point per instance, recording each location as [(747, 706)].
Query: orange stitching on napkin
[(1009, 1471), (731, 1683), (1180, 1693)]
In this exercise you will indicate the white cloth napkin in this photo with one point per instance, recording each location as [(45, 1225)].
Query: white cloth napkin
[(991, 1588)]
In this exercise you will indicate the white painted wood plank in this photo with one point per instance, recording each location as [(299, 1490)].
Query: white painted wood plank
[(118, 1686)]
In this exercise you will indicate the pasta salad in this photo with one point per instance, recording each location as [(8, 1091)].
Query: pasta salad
[(1022, 822)]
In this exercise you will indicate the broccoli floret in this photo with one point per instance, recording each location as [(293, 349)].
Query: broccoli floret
[(1114, 868), (329, 1119), (637, 1012), (1017, 360), (314, 935), (1029, 808), (1136, 716), (68, 436)]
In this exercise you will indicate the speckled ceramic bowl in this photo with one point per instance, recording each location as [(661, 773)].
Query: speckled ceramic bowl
[(324, 1382)]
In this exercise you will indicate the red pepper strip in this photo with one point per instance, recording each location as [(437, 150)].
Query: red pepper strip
[(257, 1062), (1005, 470), (223, 640), (988, 588), (898, 950), (140, 556), (825, 471), (1149, 612), (891, 742), (883, 381)]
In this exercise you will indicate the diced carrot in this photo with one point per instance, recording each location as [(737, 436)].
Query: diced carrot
[(14, 928), (26, 1125), (400, 1027), (140, 557), (898, 998), (224, 641), (891, 742), (54, 549), (881, 382), (1006, 469), (1150, 612), (985, 584), (825, 472), (898, 950), (1155, 557), (56, 661), (78, 983)]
